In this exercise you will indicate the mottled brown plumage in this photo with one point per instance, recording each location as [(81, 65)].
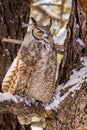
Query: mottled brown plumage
[(34, 70)]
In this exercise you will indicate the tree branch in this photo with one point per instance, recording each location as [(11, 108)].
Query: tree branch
[(59, 48), (24, 25), (6, 40), (45, 13), (48, 4), (13, 104)]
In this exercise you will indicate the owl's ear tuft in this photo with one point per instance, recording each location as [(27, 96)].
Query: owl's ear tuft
[(34, 21), (50, 23)]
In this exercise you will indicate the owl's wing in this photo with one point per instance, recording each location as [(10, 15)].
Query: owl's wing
[(10, 79), (23, 76)]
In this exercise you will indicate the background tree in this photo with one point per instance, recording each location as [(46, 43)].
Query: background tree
[(12, 14)]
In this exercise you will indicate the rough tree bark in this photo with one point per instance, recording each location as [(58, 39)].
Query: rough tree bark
[(12, 14), (77, 28)]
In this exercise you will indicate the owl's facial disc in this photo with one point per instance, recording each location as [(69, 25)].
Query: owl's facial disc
[(40, 34)]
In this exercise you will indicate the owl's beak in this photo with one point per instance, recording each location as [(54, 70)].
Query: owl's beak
[(47, 38)]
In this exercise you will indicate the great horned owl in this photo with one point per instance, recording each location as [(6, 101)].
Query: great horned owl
[(33, 71)]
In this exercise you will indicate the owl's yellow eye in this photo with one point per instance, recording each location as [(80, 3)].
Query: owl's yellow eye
[(38, 32)]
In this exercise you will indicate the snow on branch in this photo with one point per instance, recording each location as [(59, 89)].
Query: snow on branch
[(75, 82), (19, 106)]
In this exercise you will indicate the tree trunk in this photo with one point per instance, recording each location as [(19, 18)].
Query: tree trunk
[(76, 28), (12, 14)]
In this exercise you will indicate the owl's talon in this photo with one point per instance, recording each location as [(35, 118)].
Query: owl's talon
[(49, 114)]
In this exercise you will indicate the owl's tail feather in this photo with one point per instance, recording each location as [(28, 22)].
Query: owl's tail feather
[(10, 79)]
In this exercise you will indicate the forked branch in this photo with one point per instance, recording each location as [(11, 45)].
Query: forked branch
[(59, 48)]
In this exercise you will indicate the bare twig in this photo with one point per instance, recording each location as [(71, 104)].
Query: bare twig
[(45, 13), (61, 13), (48, 4), (12, 41), (59, 48), (24, 25)]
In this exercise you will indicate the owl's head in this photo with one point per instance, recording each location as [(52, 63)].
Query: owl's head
[(42, 33)]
